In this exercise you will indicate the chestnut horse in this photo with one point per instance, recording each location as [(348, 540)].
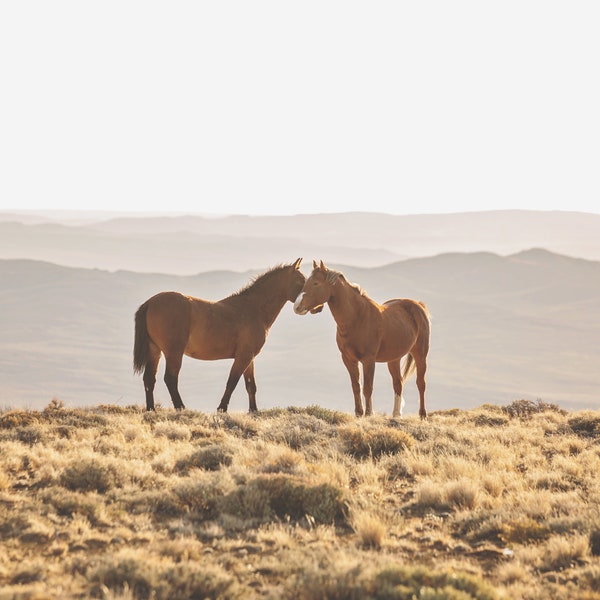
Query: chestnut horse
[(235, 327), (368, 332)]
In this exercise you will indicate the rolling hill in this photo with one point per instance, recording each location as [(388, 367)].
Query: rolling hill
[(525, 325), (190, 244)]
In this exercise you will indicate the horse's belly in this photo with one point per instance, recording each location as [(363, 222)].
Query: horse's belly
[(215, 351), (392, 351)]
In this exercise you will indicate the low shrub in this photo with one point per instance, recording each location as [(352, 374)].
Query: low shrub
[(585, 425), (18, 418), (421, 582), (29, 435), (203, 495), (524, 531), (78, 417), (331, 417), (283, 497), (595, 542), (190, 580), (490, 420), (69, 504), (159, 503), (90, 475), (124, 572), (562, 552), (374, 443), (392, 583), (209, 458), (527, 408)]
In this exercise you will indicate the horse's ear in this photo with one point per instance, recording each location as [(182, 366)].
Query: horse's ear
[(297, 263), (315, 265), (322, 265)]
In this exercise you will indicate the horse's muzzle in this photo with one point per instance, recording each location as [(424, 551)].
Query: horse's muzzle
[(298, 308)]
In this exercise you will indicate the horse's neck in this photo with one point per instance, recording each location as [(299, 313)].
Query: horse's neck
[(347, 304), (267, 302)]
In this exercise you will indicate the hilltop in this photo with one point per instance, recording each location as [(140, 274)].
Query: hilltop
[(299, 504)]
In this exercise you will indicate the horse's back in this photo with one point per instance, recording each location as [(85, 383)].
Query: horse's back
[(166, 302), (406, 310)]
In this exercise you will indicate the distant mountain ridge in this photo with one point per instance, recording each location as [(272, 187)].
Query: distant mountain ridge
[(525, 325), (191, 244)]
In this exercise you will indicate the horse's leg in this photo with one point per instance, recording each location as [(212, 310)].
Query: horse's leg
[(240, 364), (394, 369), (368, 376), (149, 376), (172, 369), (251, 386), (353, 371), (421, 363)]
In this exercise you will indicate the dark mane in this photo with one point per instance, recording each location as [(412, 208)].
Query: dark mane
[(259, 280)]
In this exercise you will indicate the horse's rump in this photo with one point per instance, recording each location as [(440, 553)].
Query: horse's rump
[(420, 313)]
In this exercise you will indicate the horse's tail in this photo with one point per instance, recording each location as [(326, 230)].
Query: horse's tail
[(422, 317), (141, 345), (409, 367)]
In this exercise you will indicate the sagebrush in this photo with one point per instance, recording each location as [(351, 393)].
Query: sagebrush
[(299, 503)]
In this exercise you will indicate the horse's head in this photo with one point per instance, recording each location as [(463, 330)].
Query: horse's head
[(316, 291), (297, 280)]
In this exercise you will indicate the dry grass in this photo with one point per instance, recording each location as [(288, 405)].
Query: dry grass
[(306, 504)]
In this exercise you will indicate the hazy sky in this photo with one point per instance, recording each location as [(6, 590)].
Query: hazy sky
[(292, 107)]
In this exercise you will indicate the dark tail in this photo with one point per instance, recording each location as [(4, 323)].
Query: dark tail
[(141, 346)]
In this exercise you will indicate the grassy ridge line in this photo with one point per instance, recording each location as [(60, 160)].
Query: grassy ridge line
[(304, 504)]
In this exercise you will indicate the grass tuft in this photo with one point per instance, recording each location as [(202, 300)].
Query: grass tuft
[(90, 475), (285, 497), (210, 458), (374, 443), (370, 529)]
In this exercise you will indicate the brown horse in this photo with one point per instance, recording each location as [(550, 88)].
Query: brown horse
[(368, 332), (235, 327)]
